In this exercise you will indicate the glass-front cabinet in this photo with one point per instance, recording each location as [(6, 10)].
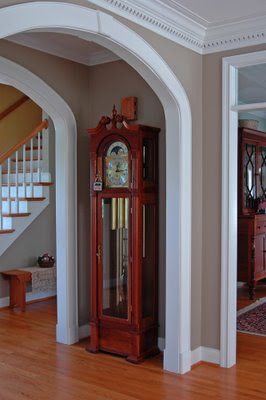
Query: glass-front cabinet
[(124, 235), (251, 255), (114, 241), (252, 170)]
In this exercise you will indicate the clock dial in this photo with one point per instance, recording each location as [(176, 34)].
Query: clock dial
[(116, 164)]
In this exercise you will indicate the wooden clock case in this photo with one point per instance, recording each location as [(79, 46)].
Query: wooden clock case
[(124, 317)]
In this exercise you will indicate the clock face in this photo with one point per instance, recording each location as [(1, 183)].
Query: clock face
[(116, 165)]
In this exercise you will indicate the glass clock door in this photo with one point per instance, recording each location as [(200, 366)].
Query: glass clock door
[(114, 248)]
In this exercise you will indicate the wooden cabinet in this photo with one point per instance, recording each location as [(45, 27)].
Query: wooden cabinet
[(124, 238), (251, 198)]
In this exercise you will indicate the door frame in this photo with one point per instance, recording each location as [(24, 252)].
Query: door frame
[(229, 199), (104, 29)]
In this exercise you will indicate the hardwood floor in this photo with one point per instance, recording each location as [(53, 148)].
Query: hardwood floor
[(34, 367)]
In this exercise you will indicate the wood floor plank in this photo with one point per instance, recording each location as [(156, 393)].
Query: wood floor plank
[(34, 367)]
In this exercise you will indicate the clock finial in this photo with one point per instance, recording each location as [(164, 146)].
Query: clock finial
[(114, 116), (104, 121)]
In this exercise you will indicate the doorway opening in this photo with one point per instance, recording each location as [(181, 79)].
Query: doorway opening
[(27, 199), (92, 25), (242, 261)]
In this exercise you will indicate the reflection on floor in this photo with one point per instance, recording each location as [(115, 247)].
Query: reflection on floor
[(33, 366)]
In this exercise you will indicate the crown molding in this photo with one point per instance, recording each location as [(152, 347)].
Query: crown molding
[(239, 34), (187, 29), (151, 14)]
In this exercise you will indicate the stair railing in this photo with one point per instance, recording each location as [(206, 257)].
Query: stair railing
[(13, 155)]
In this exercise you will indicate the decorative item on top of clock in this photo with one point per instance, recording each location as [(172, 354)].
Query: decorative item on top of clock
[(46, 261), (129, 108)]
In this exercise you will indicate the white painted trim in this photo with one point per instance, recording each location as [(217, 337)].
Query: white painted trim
[(196, 355), (249, 107), (84, 331), (206, 354), (187, 29), (229, 201), (30, 296), (65, 128), (251, 306), (159, 19), (91, 58), (229, 219), (161, 343), (105, 30)]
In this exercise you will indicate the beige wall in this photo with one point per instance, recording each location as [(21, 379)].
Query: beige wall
[(202, 80), (69, 80), (212, 153), (92, 94), (108, 83), (15, 126)]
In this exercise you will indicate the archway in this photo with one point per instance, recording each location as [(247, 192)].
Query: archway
[(107, 31)]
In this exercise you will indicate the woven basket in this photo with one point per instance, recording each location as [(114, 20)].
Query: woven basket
[(248, 123)]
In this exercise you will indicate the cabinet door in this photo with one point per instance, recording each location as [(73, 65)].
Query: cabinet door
[(249, 175), (114, 299), (260, 249), (262, 171)]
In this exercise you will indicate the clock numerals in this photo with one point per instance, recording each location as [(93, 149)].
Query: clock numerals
[(116, 164)]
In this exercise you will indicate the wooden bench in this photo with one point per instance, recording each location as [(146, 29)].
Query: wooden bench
[(17, 283)]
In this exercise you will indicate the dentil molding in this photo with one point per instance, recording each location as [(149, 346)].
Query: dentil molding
[(188, 30)]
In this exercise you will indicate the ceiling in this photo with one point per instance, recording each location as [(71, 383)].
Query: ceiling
[(216, 12), (205, 26)]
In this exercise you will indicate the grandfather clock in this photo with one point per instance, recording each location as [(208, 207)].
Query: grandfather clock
[(124, 238)]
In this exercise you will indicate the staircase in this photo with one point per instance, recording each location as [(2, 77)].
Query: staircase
[(24, 184)]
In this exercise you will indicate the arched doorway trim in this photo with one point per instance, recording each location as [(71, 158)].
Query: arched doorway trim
[(106, 30), (65, 127)]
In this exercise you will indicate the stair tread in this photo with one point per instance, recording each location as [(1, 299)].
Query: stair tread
[(28, 184), (26, 159), (24, 198), (20, 171), (16, 214), (34, 148), (3, 231)]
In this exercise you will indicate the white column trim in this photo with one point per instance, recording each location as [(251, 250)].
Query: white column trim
[(206, 354), (229, 201), (104, 29), (65, 128)]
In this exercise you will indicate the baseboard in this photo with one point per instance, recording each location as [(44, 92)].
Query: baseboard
[(161, 343), (201, 353), (206, 354), (30, 296), (84, 331), (67, 334)]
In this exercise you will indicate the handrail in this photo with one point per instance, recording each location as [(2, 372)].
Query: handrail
[(7, 154), (13, 107)]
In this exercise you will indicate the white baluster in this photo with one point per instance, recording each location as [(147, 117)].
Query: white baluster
[(1, 216), (45, 150), (16, 181), (39, 158), (31, 167), (24, 171), (8, 185)]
